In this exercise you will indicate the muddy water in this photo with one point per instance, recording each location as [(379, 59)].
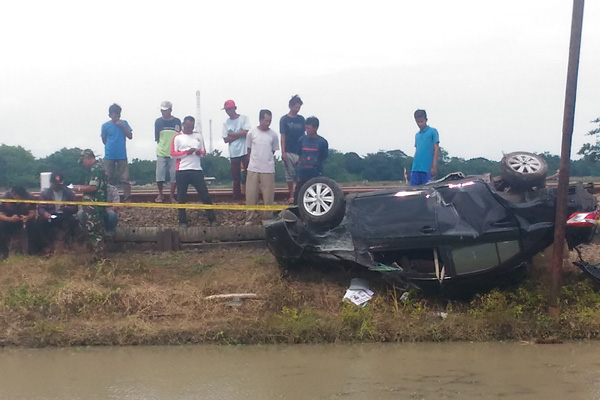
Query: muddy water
[(367, 372)]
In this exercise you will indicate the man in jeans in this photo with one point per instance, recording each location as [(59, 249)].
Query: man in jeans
[(114, 135), (187, 147), (235, 129), (427, 151)]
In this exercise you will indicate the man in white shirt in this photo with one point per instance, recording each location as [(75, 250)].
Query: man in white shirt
[(234, 134), (262, 143), (187, 148)]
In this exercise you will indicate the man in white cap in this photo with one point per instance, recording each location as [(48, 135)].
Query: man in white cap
[(235, 130), (165, 128)]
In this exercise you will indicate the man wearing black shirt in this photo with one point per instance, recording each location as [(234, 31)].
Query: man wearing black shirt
[(291, 127), (14, 217)]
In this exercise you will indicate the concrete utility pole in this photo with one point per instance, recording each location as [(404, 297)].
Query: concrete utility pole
[(210, 142), (565, 156), (198, 127)]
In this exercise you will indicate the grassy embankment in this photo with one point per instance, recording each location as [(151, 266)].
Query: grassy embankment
[(159, 298)]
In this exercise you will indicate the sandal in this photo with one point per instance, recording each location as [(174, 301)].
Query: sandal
[(159, 199)]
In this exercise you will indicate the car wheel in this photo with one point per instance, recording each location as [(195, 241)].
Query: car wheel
[(523, 170), (321, 203)]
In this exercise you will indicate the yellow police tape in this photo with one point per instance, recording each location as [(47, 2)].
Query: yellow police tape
[(257, 207)]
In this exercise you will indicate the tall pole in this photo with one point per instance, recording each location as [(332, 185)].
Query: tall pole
[(565, 155), (198, 126), (210, 143)]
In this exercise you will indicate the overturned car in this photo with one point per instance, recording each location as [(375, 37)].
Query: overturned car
[(459, 234)]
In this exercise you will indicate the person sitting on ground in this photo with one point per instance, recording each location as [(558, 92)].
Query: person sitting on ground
[(57, 221), (314, 149), (112, 213), (111, 217), (93, 191), (16, 216)]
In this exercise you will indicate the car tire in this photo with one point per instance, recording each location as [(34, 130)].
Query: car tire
[(321, 203), (523, 170)]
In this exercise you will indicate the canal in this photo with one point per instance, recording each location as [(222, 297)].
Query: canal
[(368, 371)]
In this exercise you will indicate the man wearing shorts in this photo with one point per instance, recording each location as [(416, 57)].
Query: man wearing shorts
[(165, 128), (114, 135), (235, 129), (291, 127)]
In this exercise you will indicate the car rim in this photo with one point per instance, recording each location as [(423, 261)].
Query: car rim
[(318, 199), (524, 164)]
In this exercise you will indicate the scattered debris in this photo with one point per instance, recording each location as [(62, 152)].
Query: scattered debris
[(552, 340), (358, 293), (236, 298)]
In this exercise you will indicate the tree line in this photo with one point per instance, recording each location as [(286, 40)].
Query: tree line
[(19, 167)]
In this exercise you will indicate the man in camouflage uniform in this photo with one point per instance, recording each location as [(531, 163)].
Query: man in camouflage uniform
[(94, 190)]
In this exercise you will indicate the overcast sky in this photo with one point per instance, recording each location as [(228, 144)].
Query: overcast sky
[(491, 74)]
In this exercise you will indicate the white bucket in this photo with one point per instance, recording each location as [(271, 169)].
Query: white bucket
[(44, 180)]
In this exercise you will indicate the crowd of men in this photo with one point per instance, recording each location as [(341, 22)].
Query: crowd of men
[(251, 154), (179, 154)]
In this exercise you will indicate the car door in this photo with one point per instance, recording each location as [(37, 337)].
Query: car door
[(402, 218)]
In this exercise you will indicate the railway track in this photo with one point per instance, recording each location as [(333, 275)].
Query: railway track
[(219, 195)]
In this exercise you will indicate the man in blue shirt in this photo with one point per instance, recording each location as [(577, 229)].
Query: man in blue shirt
[(114, 134), (427, 150), (313, 149)]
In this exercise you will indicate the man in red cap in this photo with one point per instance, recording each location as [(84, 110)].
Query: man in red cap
[(234, 134)]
